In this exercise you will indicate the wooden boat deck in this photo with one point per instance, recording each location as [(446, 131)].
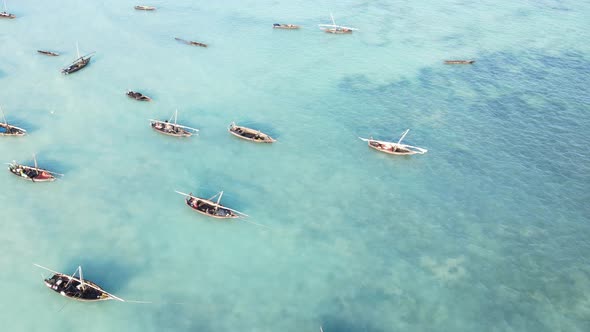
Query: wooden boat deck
[(70, 288), (209, 208), (31, 173), (10, 130), (250, 134)]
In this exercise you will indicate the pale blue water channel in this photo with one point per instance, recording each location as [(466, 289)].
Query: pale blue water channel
[(488, 231)]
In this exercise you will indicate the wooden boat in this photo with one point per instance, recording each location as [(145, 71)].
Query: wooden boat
[(5, 13), (210, 208), (30, 173), (249, 134), (79, 63), (336, 29), (172, 129), (148, 8), (190, 42), (49, 53), (10, 130), (76, 287), (394, 148), (459, 62), (138, 96), (285, 26)]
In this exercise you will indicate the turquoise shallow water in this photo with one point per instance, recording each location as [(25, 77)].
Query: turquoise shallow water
[(488, 231)]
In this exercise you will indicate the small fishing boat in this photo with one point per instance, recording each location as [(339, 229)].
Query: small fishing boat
[(30, 173), (249, 134), (79, 63), (148, 8), (336, 29), (210, 208), (49, 53), (76, 288), (138, 96), (5, 13), (459, 62), (10, 130), (285, 26), (190, 42), (172, 129), (394, 148)]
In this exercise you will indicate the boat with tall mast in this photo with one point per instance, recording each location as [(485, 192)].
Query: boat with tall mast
[(170, 128), (10, 130), (76, 287), (79, 63), (34, 174), (249, 134), (211, 208), (394, 148), (5, 13), (336, 29)]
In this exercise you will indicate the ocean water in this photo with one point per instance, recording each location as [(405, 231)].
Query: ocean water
[(488, 231)]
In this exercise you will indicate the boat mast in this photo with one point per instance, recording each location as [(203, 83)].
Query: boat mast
[(81, 277), (219, 198), (77, 50), (5, 8), (333, 22), (35, 160), (4, 117), (175, 116), (400, 140)]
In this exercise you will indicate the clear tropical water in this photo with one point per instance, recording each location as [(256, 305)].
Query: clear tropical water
[(488, 231)]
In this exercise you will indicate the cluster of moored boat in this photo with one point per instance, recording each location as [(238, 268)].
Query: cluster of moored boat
[(75, 286)]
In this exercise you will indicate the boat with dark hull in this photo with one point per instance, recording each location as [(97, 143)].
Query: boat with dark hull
[(10, 130), (285, 26), (48, 53), (394, 148), (190, 42), (211, 208), (459, 62), (34, 174), (79, 63), (249, 134), (5, 13), (138, 96), (172, 129), (76, 288)]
